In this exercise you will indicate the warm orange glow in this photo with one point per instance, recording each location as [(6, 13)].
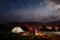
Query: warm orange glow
[(36, 33), (41, 34)]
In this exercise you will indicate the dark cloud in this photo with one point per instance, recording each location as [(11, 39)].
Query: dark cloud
[(55, 1)]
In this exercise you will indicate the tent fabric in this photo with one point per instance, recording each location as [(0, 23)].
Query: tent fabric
[(17, 30)]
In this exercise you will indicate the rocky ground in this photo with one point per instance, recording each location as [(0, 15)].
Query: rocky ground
[(7, 35)]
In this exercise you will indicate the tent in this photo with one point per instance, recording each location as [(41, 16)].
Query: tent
[(17, 30)]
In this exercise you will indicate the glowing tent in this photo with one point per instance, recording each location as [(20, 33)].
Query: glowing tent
[(17, 30)]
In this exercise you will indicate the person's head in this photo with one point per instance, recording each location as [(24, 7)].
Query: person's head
[(56, 28)]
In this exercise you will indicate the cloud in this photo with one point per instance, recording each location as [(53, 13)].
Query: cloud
[(50, 11), (55, 1)]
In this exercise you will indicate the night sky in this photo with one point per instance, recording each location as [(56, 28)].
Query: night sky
[(29, 11)]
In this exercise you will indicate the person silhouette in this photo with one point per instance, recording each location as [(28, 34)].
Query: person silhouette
[(59, 28), (31, 30), (43, 28), (53, 28)]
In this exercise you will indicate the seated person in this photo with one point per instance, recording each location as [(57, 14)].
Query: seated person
[(56, 28), (53, 28), (31, 30), (48, 28), (59, 28), (43, 28)]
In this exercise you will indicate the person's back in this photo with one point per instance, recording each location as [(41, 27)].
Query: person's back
[(59, 28), (53, 28), (43, 28), (49, 28), (30, 29)]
